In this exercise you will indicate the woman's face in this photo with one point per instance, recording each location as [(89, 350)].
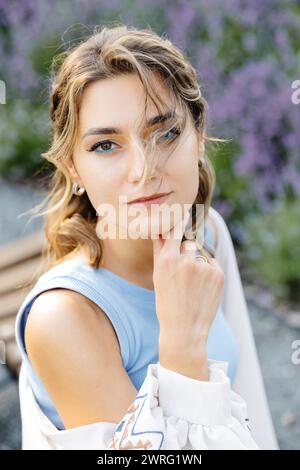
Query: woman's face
[(113, 168)]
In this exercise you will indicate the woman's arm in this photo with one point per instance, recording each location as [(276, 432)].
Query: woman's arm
[(75, 352)]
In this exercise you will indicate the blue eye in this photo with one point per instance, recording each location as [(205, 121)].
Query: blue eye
[(175, 131), (98, 144)]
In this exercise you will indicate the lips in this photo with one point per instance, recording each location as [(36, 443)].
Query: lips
[(153, 197)]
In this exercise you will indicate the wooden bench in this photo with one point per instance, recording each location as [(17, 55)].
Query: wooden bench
[(20, 261)]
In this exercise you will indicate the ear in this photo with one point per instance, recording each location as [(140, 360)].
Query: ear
[(72, 170), (201, 148), (200, 144)]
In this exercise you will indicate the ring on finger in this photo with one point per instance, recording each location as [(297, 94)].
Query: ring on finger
[(202, 258)]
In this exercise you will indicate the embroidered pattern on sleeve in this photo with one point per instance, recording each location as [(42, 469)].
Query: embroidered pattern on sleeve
[(126, 437)]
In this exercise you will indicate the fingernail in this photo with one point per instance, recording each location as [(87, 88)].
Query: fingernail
[(190, 245)]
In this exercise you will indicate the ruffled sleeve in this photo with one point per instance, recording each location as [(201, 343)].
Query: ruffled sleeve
[(170, 411), (173, 411)]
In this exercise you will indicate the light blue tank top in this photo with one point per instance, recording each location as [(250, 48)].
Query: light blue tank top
[(131, 310)]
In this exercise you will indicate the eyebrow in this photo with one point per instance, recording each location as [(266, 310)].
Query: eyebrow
[(116, 130)]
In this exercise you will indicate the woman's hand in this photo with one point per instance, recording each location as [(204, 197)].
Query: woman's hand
[(188, 292)]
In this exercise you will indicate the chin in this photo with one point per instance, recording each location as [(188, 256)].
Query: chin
[(151, 224), (148, 229)]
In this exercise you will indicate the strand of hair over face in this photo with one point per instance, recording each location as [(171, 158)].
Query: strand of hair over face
[(109, 52)]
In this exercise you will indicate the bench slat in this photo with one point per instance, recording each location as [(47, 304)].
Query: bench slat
[(22, 249), (13, 277)]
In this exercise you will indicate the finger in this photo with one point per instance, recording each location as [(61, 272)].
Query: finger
[(174, 237), (214, 263), (157, 246), (188, 248)]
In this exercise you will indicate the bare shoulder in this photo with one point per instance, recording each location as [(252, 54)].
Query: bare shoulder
[(74, 350), (56, 310)]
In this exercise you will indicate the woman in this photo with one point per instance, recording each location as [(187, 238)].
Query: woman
[(126, 345)]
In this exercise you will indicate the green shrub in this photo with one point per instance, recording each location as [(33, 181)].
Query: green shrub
[(24, 133), (273, 249)]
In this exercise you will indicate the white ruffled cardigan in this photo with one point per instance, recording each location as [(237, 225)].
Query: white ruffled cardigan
[(172, 411)]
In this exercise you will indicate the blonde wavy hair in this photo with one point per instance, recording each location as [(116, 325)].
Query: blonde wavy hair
[(110, 51)]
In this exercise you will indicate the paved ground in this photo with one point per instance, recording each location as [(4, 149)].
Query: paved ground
[(273, 338), (14, 200), (10, 423), (282, 378)]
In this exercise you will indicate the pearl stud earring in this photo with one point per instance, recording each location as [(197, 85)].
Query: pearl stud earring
[(77, 189)]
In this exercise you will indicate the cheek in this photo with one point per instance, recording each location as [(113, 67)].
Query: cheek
[(184, 171), (102, 182)]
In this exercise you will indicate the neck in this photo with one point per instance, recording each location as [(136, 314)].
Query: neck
[(130, 259)]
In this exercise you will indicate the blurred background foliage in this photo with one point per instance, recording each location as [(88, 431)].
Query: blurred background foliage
[(247, 54)]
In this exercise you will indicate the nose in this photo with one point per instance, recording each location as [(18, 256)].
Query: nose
[(137, 162)]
